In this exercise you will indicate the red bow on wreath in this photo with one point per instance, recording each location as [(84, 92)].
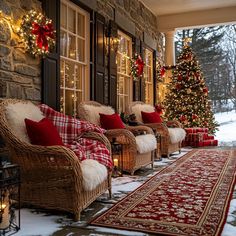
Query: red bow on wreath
[(43, 32), (140, 64)]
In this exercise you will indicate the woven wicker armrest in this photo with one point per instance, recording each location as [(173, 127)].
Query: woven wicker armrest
[(122, 136), (159, 127), (46, 155), (174, 123), (139, 128)]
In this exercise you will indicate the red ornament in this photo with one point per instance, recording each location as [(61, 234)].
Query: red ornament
[(140, 64), (178, 86), (159, 108), (163, 71), (205, 90), (179, 78), (183, 118), (194, 116), (42, 33)]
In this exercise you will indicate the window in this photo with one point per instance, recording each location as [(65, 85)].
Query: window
[(74, 57), (148, 76), (124, 81)]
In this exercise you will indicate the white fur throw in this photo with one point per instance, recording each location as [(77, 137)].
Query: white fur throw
[(146, 143), (176, 134), (94, 174), (16, 114), (92, 113), (136, 109)]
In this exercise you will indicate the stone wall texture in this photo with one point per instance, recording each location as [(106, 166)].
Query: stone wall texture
[(20, 73)]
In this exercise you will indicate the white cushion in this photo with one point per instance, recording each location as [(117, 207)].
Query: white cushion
[(16, 114), (146, 143), (176, 134), (93, 173), (92, 113), (136, 109)]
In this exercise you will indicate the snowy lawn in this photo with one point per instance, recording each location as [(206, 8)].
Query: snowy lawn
[(226, 134)]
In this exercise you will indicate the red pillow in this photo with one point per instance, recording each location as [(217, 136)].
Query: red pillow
[(151, 117), (111, 121), (43, 133)]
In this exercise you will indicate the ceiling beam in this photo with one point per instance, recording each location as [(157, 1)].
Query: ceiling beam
[(196, 19)]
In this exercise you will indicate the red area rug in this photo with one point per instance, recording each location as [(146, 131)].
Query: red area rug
[(189, 197)]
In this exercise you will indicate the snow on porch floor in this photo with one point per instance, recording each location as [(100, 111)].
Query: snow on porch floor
[(39, 223)]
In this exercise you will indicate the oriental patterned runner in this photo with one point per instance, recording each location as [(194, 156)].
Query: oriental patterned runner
[(189, 197)]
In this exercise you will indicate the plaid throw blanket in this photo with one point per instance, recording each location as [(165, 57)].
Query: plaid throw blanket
[(71, 130)]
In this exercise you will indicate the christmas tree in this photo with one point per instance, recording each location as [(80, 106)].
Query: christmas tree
[(187, 100)]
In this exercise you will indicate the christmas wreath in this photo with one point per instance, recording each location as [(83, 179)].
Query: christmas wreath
[(136, 65), (37, 33)]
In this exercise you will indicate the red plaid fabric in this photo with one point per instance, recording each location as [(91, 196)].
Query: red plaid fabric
[(70, 130)]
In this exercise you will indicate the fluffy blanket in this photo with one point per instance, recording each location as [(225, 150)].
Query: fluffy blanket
[(70, 129)]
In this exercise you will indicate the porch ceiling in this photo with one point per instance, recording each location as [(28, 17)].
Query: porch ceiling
[(172, 14)]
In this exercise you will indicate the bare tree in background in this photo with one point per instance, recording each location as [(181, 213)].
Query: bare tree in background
[(230, 48)]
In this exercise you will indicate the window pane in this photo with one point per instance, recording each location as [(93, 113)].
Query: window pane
[(78, 76), (63, 15), (71, 20), (72, 47), (63, 43), (69, 102), (69, 75), (121, 85), (81, 25), (62, 100), (81, 50), (62, 72)]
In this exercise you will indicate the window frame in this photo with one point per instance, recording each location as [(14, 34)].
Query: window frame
[(84, 90), (149, 84), (129, 94)]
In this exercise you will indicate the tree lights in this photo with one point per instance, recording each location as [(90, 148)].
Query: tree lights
[(187, 100)]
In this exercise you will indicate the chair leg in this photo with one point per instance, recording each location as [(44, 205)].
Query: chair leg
[(110, 193), (179, 151), (77, 216)]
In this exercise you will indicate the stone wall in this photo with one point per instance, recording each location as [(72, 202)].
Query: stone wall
[(19, 71)]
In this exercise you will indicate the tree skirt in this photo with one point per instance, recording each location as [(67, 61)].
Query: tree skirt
[(189, 197)]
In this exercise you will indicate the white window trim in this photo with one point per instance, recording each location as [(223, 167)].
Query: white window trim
[(130, 91)]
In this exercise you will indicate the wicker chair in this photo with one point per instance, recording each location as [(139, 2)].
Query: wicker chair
[(51, 176), (132, 160), (167, 147)]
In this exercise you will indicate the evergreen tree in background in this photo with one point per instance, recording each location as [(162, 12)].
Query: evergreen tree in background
[(187, 100)]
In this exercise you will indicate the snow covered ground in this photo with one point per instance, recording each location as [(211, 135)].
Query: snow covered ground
[(226, 134), (34, 223)]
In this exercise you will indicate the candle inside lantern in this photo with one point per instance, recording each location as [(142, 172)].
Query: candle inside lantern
[(115, 161), (4, 216)]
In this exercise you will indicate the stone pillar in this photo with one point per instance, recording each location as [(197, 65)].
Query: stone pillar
[(169, 48)]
